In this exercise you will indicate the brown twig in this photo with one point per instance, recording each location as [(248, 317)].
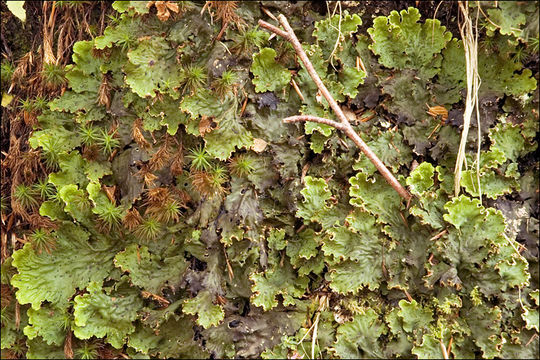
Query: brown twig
[(438, 236), (163, 302), (344, 124), (229, 267), (297, 89), (303, 118), (443, 349), (449, 349), (221, 32)]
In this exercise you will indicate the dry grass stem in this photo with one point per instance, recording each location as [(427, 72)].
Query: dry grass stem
[(470, 44)]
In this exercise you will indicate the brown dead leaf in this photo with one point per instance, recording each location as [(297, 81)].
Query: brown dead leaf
[(109, 190), (349, 114), (205, 126), (438, 111), (163, 8), (258, 145)]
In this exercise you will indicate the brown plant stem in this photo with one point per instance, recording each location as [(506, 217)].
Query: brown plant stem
[(304, 118), (344, 124), (443, 349)]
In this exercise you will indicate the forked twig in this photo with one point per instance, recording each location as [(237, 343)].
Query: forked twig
[(343, 123)]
